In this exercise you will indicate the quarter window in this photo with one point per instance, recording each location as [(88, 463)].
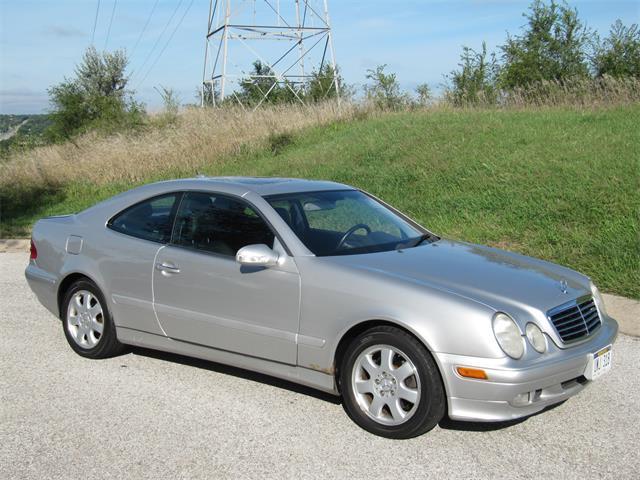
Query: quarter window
[(219, 224), (149, 220)]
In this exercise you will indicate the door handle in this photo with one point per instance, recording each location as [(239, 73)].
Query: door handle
[(167, 268)]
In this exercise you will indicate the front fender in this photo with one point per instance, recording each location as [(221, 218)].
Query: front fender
[(336, 299)]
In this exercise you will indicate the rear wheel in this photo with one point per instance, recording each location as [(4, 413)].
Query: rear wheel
[(391, 385), (86, 321)]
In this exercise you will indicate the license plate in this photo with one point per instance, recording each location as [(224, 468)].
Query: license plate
[(599, 363)]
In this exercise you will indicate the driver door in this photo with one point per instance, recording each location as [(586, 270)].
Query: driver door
[(203, 296)]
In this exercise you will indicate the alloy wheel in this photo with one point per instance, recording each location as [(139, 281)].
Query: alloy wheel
[(386, 384), (85, 319)]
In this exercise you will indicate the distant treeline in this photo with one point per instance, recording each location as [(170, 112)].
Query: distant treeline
[(22, 131), (555, 52)]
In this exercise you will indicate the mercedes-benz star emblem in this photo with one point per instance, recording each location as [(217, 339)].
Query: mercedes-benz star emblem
[(564, 286)]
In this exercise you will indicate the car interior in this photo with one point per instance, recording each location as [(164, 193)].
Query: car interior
[(219, 224)]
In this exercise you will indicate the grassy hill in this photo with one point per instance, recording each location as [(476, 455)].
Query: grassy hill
[(560, 184)]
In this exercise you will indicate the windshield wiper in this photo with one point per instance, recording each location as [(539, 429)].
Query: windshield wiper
[(418, 241)]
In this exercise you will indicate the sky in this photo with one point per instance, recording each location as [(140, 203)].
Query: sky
[(41, 41)]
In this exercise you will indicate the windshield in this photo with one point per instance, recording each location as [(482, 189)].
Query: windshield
[(345, 222)]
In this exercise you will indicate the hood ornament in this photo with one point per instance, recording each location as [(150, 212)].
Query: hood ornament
[(564, 286)]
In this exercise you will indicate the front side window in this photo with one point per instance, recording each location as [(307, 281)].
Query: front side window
[(149, 220), (345, 222), (219, 224)]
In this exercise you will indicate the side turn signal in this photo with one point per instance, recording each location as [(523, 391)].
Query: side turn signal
[(472, 373)]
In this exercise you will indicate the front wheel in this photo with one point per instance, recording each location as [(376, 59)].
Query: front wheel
[(86, 321), (391, 385)]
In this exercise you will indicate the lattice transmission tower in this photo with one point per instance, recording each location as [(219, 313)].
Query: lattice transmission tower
[(290, 39)]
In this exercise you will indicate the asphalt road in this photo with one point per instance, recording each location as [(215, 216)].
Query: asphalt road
[(154, 415)]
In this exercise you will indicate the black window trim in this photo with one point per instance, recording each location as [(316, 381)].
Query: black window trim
[(232, 197), (174, 209), (406, 218), (391, 208)]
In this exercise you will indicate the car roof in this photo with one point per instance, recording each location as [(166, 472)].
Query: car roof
[(263, 186)]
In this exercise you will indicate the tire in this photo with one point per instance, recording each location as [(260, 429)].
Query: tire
[(87, 323), (402, 399)]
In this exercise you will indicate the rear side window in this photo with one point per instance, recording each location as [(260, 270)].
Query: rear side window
[(219, 224), (149, 220)]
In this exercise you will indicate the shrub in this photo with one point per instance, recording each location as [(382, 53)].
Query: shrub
[(279, 141), (96, 98), (171, 103), (424, 94), (552, 47), (384, 90), (322, 85), (619, 54), (475, 81), (263, 87)]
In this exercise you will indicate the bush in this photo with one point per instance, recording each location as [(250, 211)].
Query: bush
[(547, 64), (322, 85), (96, 98), (551, 48), (262, 86), (475, 82), (423, 92), (384, 90), (279, 141), (171, 104), (619, 54)]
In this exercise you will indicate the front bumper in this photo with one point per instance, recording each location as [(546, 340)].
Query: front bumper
[(512, 391)]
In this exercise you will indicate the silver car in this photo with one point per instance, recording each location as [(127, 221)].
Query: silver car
[(324, 285)]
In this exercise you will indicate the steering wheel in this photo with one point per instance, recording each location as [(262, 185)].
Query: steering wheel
[(350, 232)]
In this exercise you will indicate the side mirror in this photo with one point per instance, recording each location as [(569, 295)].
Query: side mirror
[(257, 256)]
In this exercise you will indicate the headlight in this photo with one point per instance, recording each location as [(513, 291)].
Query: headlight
[(536, 338), (508, 335), (598, 299)]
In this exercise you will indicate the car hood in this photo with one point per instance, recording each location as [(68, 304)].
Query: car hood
[(497, 278)]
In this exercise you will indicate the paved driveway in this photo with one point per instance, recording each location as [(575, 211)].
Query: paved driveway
[(154, 415)]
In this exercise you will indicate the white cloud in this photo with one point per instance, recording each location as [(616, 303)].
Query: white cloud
[(63, 32)]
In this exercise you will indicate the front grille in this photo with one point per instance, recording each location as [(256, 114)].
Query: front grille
[(576, 319)]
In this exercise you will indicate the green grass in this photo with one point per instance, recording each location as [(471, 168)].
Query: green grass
[(558, 184)]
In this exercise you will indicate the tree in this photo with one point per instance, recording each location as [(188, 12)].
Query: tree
[(96, 97), (103, 75), (475, 81), (618, 55), (71, 111), (322, 85), (261, 82), (424, 94), (384, 89), (552, 47), (171, 102)]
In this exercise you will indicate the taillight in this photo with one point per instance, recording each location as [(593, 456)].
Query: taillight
[(34, 251)]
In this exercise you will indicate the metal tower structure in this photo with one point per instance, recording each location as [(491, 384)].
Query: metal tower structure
[(291, 39)]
